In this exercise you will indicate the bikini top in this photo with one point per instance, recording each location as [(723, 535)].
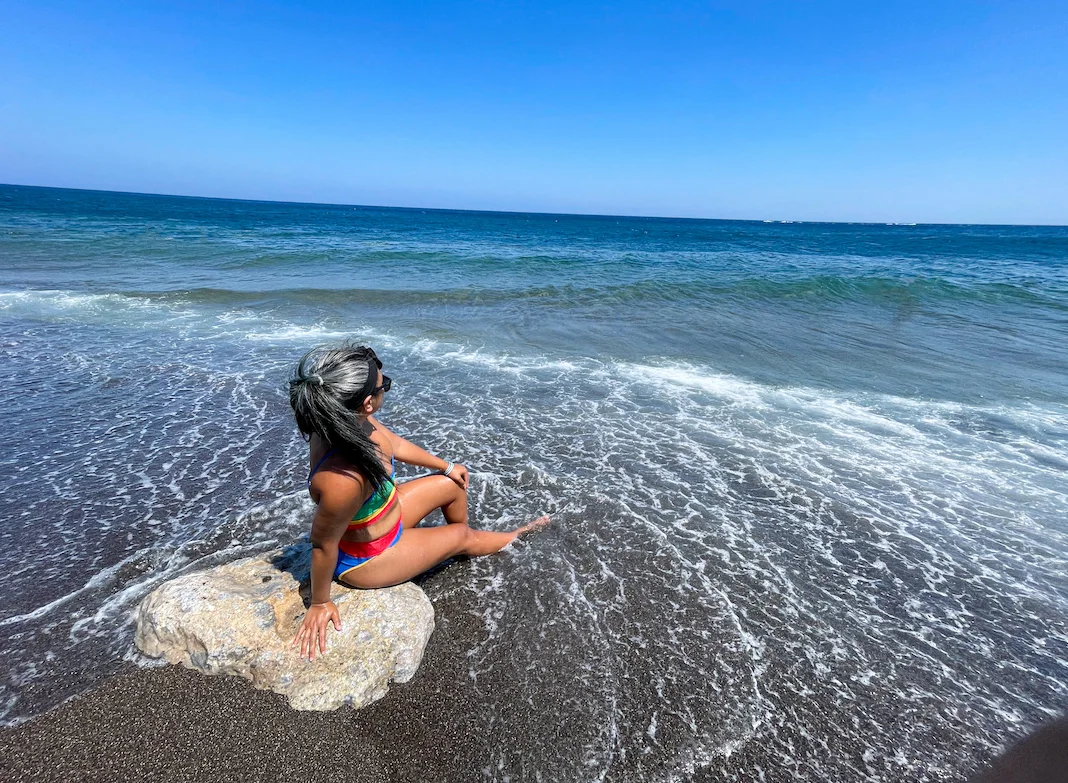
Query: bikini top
[(376, 506)]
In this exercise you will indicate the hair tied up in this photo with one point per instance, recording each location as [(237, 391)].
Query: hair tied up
[(326, 412)]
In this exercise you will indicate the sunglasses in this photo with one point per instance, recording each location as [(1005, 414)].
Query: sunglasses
[(387, 382)]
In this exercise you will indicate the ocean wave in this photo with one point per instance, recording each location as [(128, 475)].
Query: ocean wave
[(46, 301), (824, 290), (842, 289), (246, 315)]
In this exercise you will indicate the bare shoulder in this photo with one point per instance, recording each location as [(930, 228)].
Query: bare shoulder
[(336, 486)]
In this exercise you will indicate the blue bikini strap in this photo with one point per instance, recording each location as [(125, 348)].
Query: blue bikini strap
[(392, 464), (320, 462)]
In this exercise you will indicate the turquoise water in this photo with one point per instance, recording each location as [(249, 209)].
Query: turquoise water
[(810, 481)]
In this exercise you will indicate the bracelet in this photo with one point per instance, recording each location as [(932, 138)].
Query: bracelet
[(448, 469)]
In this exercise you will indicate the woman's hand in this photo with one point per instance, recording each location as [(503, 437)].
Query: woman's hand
[(459, 475), (312, 633)]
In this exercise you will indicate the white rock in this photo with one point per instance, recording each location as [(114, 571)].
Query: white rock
[(240, 618)]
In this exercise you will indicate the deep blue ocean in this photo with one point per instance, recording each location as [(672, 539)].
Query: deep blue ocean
[(809, 481)]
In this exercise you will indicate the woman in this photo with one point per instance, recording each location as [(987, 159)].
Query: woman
[(364, 532)]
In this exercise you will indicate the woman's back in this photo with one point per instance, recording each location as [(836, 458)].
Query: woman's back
[(379, 507)]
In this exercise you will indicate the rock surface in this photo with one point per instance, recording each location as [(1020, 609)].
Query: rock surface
[(240, 618)]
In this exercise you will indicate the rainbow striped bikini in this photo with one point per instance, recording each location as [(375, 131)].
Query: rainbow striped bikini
[(380, 502), (353, 554)]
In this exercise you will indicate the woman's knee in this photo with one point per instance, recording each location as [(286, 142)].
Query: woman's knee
[(452, 540), (465, 538), (456, 490)]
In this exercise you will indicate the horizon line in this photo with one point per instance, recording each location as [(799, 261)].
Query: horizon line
[(519, 212)]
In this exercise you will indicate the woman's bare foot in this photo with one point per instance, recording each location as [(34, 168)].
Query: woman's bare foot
[(530, 527)]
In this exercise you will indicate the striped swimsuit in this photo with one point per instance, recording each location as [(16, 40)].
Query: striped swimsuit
[(353, 554)]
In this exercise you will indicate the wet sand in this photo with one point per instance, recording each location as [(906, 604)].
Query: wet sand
[(173, 724), (168, 723)]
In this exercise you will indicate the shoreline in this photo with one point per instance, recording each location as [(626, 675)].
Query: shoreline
[(175, 724)]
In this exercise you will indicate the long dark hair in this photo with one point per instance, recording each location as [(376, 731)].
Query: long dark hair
[(329, 382)]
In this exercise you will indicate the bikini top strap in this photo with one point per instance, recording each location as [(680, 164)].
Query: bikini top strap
[(392, 464), (318, 464)]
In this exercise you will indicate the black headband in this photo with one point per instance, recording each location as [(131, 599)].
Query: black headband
[(374, 364)]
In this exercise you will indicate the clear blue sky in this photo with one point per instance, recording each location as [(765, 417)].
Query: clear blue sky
[(908, 111)]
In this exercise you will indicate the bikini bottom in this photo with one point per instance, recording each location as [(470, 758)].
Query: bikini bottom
[(353, 554)]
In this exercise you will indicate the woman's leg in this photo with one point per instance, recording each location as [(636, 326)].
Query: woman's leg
[(419, 497), (420, 549)]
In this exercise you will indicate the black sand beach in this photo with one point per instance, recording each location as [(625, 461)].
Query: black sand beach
[(173, 724), (178, 725), (170, 723)]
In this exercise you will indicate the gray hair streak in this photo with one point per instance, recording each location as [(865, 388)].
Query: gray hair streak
[(322, 393)]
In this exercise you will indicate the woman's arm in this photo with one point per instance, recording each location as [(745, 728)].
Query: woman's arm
[(332, 518), (406, 451)]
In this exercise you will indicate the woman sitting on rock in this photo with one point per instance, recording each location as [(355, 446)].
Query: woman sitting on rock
[(364, 532)]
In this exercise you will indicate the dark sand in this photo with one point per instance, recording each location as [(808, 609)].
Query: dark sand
[(169, 723), (172, 724)]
